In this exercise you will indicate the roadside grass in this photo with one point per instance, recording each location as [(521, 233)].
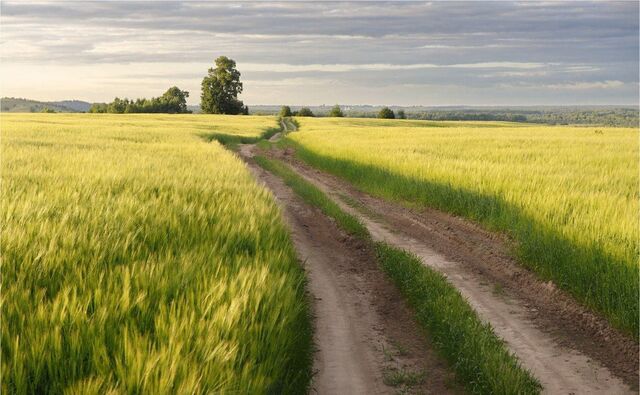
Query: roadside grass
[(138, 259), (314, 196), (567, 196), (396, 377), (234, 139), (480, 359), (231, 139)]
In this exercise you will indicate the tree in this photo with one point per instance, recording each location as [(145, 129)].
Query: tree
[(285, 111), (305, 112), (118, 106), (98, 108), (174, 101), (401, 114), (336, 111), (47, 110), (386, 113), (220, 89)]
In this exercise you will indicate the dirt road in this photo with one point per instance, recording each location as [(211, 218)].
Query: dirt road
[(366, 339), (569, 349)]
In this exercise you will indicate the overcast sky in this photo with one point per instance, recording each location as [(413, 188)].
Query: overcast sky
[(404, 53)]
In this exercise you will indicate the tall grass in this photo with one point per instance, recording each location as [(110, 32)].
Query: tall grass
[(480, 359), (137, 258), (567, 195)]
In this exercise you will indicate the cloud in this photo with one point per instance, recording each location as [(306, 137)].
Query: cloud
[(483, 47), (568, 86), (609, 84), (336, 68)]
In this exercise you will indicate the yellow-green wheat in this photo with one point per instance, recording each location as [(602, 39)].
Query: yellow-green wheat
[(568, 195), (139, 258)]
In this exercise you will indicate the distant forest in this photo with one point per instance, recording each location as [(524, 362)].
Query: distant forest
[(578, 115), (574, 115), (607, 117)]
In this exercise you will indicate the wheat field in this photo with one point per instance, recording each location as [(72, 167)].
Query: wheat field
[(137, 257), (567, 195)]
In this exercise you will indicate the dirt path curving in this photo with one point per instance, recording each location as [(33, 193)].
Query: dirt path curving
[(364, 332), (568, 348)]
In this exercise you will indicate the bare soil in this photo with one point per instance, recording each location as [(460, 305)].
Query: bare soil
[(566, 346), (365, 336)]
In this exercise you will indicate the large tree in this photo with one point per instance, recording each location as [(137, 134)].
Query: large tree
[(174, 100), (220, 89)]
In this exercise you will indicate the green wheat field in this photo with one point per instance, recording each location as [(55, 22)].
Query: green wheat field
[(567, 195), (140, 258)]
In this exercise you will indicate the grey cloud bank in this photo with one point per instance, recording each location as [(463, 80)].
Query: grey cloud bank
[(406, 53)]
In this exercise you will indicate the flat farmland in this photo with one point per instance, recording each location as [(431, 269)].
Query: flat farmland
[(139, 258), (567, 196)]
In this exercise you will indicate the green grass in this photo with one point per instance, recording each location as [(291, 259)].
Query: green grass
[(138, 258), (479, 358), (314, 196), (567, 195), (231, 139)]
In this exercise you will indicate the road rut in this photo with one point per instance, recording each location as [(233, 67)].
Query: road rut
[(363, 329)]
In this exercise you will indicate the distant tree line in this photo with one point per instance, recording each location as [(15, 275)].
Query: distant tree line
[(622, 117), (285, 111), (607, 117), (173, 101), (220, 89)]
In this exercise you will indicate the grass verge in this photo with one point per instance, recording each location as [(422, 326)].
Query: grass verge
[(232, 139), (315, 197), (480, 359)]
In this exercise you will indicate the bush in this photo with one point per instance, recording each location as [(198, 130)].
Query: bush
[(285, 111), (336, 111), (305, 112), (386, 113)]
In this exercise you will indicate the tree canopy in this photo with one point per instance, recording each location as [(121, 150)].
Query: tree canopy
[(336, 111), (220, 89), (386, 113), (285, 111), (305, 112), (173, 101), (401, 114)]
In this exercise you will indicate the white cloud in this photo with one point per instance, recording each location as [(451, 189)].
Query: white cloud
[(289, 68), (568, 86), (411, 52), (609, 84)]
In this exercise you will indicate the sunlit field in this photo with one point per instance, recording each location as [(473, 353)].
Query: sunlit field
[(567, 195), (138, 257)]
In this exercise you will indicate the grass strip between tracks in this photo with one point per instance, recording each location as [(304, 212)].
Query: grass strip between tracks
[(232, 139), (480, 359)]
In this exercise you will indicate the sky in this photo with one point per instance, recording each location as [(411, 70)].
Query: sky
[(312, 53)]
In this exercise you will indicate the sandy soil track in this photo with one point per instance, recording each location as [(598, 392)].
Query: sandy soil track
[(363, 329), (569, 349)]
